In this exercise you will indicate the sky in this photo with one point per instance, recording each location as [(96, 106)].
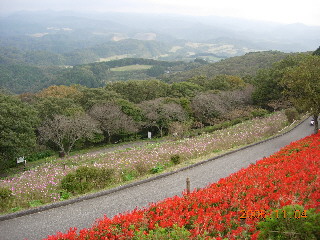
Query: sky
[(282, 11)]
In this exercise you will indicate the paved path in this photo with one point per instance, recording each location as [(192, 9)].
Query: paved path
[(83, 213)]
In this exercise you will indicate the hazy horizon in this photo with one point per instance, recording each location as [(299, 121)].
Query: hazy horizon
[(287, 12)]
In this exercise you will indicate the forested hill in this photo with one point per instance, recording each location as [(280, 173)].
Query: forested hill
[(21, 77), (104, 51), (246, 65)]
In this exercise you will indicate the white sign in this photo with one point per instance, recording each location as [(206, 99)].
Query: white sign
[(20, 160), (149, 135)]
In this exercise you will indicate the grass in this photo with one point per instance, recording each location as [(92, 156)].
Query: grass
[(115, 57), (131, 68), (41, 184)]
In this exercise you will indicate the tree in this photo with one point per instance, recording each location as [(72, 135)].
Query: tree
[(212, 107), (18, 122), (50, 106), (65, 131), (137, 91), (224, 82), (61, 91), (317, 52), (207, 107), (159, 113), (130, 109), (112, 119), (184, 89), (156, 70), (79, 75), (92, 96), (268, 87), (302, 85)]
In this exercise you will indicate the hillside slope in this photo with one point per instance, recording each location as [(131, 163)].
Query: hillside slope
[(246, 65)]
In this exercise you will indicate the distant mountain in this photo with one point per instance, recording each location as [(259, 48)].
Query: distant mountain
[(75, 38)]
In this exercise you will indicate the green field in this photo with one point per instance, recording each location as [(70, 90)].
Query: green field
[(131, 68)]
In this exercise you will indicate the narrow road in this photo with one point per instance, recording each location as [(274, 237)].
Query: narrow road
[(82, 214)]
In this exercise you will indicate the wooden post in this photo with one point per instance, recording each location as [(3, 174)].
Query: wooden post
[(242, 221), (188, 185)]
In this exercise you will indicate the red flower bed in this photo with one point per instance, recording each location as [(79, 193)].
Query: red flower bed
[(291, 176)]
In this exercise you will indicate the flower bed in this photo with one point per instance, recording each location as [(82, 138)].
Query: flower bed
[(291, 176)]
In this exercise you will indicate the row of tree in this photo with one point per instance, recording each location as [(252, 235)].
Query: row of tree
[(62, 117)]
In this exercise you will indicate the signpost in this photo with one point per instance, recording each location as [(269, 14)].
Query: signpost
[(149, 135), (22, 160)]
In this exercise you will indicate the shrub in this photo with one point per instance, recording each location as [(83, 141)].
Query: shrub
[(235, 121), (5, 197), (39, 155), (259, 112), (222, 125), (158, 168), (175, 159), (64, 195), (128, 174), (35, 203), (174, 233), (291, 222), (141, 168), (178, 129), (85, 179), (291, 114), (5, 193)]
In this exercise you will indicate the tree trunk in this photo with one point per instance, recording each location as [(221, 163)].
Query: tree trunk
[(160, 130), (62, 154), (316, 123), (109, 137)]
